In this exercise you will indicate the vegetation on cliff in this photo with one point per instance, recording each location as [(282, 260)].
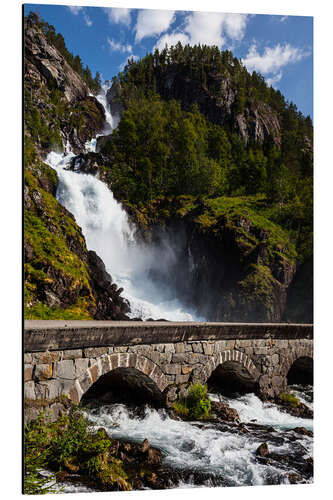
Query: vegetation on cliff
[(62, 279), (200, 140)]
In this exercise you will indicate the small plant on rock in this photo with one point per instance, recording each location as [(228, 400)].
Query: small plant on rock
[(195, 405)]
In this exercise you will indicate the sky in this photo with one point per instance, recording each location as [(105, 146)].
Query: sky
[(278, 47)]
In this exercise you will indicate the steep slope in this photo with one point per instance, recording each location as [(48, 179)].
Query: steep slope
[(62, 278)]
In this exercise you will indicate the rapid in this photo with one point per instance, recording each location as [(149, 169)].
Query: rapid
[(206, 454)]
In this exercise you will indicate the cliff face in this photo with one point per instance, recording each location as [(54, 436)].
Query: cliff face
[(217, 100), (58, 106), (62, 278), (231, 264)]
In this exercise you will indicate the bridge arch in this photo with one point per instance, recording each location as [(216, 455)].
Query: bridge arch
[(298, 364), (231, 368), (117, 368)]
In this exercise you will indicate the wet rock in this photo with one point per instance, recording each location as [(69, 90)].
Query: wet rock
[(262, 450), (294, 478), (303, 431), (224, 412)]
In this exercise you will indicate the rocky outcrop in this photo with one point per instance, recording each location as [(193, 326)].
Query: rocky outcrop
[(216, 100), (59, 107), (43, 62), (62, 278)]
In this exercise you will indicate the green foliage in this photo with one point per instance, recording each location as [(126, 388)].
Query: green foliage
[(195, 405), (47, 226), (289, 399), (70, 444)]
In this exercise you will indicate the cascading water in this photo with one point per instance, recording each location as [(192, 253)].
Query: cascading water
[(107, 231), (220, 450)]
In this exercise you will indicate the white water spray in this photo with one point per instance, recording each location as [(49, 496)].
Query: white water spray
[(107, 231)]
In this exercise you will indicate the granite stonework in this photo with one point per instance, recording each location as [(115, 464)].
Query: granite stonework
[(171, 366)]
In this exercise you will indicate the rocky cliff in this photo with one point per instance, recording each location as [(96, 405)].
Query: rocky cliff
[(62, 278)]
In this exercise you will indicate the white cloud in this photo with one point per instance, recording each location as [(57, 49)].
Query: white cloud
[(274, 79), (117, 46), (207, 28), (132, 56), (153, 22), (74, 10), (87, 19), (171, 39), (272, 59), (116, 15)]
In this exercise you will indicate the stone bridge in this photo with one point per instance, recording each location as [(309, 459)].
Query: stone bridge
[(156, 361)]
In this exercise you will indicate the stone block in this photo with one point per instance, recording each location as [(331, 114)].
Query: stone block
[(29, 390), (80, 366), (28, 357), (169, 348), (188, 347), (181, 379), (172, 369), (49, 389), (208, 348), (46, 357), (154, 356), (165, 357), (64, 369), (197, 347), (95, 352), (179, 357), (121, 349), (123, 359), (94, 372), (43, 372), (180, 347), (85, 381), (28, 369), (186, 369), (72, 354), (110, 350)]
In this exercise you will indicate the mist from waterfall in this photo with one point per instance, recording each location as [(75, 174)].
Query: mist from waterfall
[(108, 232)]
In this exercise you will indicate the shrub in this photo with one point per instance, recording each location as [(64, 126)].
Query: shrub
[(289, 399), (196, 405)]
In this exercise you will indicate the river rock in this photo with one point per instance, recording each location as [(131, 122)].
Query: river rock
[(224, 412), (262, 450)]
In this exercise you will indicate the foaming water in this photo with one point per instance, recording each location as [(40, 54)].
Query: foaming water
[(107, 231), (251, 409), (225, 453)]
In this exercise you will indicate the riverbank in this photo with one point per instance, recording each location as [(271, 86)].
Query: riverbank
[(118, 447)]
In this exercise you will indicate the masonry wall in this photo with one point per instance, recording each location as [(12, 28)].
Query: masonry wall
[(171, 366)]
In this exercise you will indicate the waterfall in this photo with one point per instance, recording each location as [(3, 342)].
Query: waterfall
[(107, 230)]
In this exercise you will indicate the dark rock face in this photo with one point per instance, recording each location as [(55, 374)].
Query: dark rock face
[(300, 295), (216, 100), (109, 303)]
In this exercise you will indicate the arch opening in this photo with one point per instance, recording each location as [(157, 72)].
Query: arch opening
[(123, 385), (301, 371), (231, 378)]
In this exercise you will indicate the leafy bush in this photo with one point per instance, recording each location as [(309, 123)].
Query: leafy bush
[(70, 444), (289, 399), (196, 405)]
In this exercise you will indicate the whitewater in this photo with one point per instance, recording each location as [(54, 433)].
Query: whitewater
[(107, 231)]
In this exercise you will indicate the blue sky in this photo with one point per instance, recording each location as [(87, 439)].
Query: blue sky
[(278, 47)]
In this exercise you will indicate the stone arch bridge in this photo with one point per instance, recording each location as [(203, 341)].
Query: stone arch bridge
[(91, 359)]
